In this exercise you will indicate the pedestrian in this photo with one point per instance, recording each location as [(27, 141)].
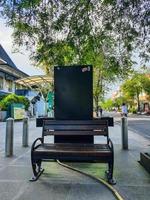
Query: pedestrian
[(124, 110), (100, 110)]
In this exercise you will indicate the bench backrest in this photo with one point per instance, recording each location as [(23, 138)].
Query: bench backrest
[(39, 120), (75, 127)]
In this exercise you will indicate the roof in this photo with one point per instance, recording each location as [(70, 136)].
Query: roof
[(36, 80), (5, 57), (6, 60), (3, 93)]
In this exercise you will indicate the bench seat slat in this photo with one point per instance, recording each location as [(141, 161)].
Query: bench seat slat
[(76, 149), (75, 122), (74, 127), (99, 132)]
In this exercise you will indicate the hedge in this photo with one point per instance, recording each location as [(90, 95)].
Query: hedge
[(13, 98)]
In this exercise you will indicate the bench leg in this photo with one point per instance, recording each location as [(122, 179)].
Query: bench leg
[(37, 170), (109, 173)]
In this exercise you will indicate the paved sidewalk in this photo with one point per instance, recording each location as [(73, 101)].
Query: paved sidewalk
[(133, 182)]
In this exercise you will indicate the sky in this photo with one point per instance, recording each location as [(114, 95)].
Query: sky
[(21, 60)]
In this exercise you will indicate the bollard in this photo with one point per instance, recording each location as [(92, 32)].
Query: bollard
[(25, 132), (9, 137), (124, 126)]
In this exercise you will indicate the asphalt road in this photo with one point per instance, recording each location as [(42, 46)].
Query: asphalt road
[(140, 126), (137, 123)]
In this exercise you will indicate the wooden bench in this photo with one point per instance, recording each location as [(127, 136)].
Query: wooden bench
[(85, 152)]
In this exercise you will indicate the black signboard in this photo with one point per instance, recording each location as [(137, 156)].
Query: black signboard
[(73, 97)]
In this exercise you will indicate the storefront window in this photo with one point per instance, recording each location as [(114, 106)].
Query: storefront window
[(18, 86), (1, 83), (9, 85)]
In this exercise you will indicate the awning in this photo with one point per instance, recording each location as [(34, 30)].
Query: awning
[(2, 61), (4, 93), (34, 81)]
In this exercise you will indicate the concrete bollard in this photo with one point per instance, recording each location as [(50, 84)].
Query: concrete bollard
[(124, 127), (9, 137), (25, 132)]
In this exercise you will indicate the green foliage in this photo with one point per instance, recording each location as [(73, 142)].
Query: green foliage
[(12, 98), (101, 33), (39, 22), (49, 23), (146, 84), (24, 101), (119, 101), (107, 105), (59, 53), (133, 110), (133, 87), (2, 97)]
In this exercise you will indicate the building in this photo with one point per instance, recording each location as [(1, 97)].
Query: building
[(8, 73), (37, 102)]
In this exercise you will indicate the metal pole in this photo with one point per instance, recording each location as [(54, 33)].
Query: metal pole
[(124, 127), (9, 137), (25, 132)]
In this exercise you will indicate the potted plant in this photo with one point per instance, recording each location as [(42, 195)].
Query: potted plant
[(145, 160), (10, 99)]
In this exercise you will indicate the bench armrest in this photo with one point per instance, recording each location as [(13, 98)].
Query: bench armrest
[(34, 146), (110, 144)]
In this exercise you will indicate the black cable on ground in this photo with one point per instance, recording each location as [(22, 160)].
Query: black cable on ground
[(113, 190)]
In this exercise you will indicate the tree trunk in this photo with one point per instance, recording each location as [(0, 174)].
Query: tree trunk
[(96, 105), (138, 102), (98, 90)]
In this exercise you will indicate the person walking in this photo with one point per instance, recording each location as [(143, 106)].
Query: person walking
[(100, 111), (124, 110)]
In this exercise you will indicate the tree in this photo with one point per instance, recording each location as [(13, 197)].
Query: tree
[(146, 84), (133, 87), (107, 105), (106, 68), (57, 53), (38, 22), (101, 33), (117, 102)]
